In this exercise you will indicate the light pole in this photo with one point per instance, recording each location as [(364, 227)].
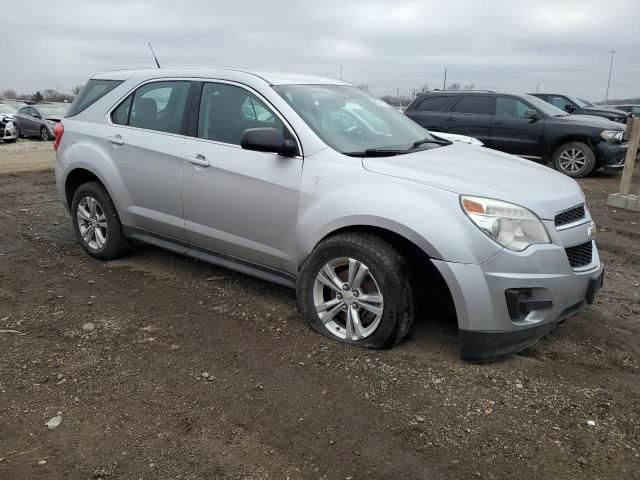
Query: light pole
[(606, 96)]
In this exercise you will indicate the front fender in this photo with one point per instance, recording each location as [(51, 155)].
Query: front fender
[(351, 196)]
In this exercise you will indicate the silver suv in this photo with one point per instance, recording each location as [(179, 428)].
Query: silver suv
[(314, 184)]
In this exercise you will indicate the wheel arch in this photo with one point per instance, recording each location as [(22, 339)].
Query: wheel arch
[(557, 143), (432, 293)]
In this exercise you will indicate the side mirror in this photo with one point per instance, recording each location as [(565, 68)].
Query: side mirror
[(269, 140), (569, 108), (532, 114)]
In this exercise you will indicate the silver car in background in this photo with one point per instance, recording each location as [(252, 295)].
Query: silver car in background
[(315, 184), (39, 120)]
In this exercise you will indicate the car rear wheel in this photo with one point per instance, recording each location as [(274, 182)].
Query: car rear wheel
[(44, 134), (356, 288), (575, 159), (96, 222)]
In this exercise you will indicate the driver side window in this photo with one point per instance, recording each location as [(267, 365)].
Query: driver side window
[(226, 111)]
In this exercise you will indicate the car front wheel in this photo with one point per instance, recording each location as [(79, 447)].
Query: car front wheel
[(356, 288), (575, 159)]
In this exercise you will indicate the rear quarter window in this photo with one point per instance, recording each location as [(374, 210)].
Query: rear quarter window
[(93, 91)]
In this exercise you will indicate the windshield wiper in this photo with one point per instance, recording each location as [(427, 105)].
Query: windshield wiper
[(430, 140), (376, 152)]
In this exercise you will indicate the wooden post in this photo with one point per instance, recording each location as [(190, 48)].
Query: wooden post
[(624, 199), (633, 128)]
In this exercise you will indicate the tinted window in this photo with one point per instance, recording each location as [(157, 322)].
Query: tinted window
[(226, 111), (510, 107), (93, 91), (155, 106), (559, 102), (474, 104), (120, 115), (433, 103)]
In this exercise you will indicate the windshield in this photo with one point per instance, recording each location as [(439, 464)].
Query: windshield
[(7, 110), (351, 121), (585, 103), (52, 110), (544, 107)]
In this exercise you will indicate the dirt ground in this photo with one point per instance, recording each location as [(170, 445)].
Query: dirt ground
[(281, 401)]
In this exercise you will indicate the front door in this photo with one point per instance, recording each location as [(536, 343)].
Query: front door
[(514, 133), (145, 140), (238, 202)]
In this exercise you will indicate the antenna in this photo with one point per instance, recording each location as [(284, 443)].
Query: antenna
[(154, 55)]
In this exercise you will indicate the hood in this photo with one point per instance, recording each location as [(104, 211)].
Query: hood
[(591, 121), (465, 169), (607, 111)]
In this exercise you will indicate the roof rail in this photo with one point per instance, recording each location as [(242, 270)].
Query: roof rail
[(462, 90)]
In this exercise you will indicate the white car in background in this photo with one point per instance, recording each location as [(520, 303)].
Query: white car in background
[(8, 131)]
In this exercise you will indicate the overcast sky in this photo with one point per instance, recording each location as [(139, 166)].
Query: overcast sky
[(512, 45)]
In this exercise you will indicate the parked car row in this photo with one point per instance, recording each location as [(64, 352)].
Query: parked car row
[(19, 119), (527, 126), (578, 106)]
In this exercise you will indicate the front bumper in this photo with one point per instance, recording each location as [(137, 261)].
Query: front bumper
[(8, 132), (552, 291), (611, 155)]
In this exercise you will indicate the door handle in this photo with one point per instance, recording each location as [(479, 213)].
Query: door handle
[(199, 160), (116, 140)]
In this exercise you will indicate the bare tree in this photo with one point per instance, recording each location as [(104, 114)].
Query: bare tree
[(76, 90), (454, 86), (9, 94), (471, 86), (424, 88)]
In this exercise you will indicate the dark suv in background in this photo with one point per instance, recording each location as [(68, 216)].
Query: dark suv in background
[(577, 106), (526, 126)]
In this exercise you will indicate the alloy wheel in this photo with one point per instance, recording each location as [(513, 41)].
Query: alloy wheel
[(348, 299), (92, 223), (572, 160), (44, 134)]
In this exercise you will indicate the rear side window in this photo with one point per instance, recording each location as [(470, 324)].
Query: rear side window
[(93, 91), (156, 106), (478, 104), (432, 104)]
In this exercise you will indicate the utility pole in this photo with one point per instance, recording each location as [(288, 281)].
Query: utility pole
[(606, 96), (398, 96), (444, 84), (537, 87), (340, 72)]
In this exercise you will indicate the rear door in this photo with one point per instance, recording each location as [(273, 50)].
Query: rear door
[(470, 115), (514, 133), (239, 203), (429, 111), (145, 138)]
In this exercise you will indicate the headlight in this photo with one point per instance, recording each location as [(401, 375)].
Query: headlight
[(612, 135), (512, 226)]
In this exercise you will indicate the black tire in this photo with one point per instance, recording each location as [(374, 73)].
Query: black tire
[(587, 152), (116, 243), (392, 275), (44, 134)]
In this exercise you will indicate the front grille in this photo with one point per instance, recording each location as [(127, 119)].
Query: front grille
[(580, 255), (569, 216)]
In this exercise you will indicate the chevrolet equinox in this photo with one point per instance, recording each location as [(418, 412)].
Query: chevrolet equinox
[(315, 184)]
